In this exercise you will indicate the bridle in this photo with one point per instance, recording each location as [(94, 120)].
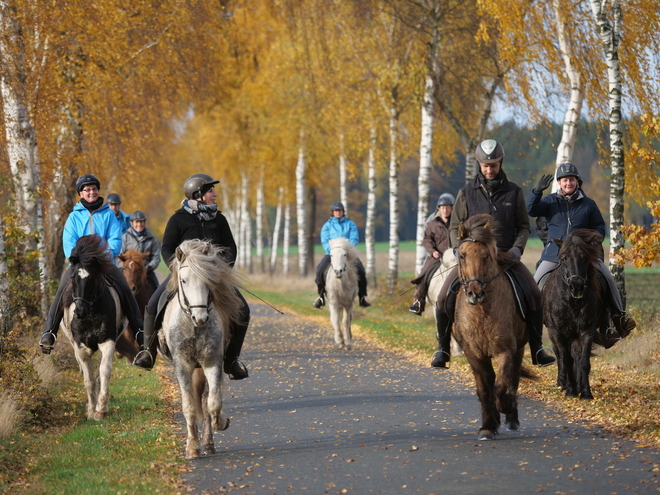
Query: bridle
[(90, 303), (461, 276), (186, 307)]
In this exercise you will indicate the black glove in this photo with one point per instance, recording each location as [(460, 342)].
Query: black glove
[(544, 182)]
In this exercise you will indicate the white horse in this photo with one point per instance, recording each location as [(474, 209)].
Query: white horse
[(341, 287), (437, 281), (195, 334)]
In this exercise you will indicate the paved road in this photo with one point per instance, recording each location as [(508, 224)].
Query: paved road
[(315, 419)]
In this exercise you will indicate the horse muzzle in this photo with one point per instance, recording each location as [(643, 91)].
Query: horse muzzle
[(338, 273), (199, 318), (474, 297)]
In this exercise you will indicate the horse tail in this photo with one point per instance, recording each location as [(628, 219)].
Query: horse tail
[(528, 374)]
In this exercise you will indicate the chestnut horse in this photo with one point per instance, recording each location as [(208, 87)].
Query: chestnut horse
[(573, 309), (488, 324)]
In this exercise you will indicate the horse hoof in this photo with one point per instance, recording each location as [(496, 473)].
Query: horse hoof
[(513, 426), (193, 454), (486, 435), (349, 347), (209, 450), (571, 394)]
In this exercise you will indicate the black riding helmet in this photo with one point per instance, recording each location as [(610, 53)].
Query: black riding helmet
[(569, 170), (113, 199), (198, 185), (337, 205), (87, 180), (138, 215)]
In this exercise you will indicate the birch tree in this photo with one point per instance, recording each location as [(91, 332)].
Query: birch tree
[(301, 207), (261, 203), (369, 235), (286, 239), (275, 239)]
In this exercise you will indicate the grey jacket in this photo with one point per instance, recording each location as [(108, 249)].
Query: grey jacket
[(145, 243)]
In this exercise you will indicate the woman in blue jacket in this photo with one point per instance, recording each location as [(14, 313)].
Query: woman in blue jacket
[(566, 210), (339, 226), (91, 216)]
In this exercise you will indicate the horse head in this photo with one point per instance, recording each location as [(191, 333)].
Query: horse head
[(195, 296), (576, 255), (90, 261), (133, 268), (341, 253), (478, 257)]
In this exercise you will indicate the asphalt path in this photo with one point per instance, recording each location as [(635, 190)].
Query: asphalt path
[(312, 418)]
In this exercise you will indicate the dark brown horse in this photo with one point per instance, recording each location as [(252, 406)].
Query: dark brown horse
[(135, 272), (489, 325), (573, 309)]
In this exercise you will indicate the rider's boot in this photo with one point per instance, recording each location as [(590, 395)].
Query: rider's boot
[(623, 323), (416, 307), (234, 369), (146, 358), (55, 315), (443, 327), (535, 330)]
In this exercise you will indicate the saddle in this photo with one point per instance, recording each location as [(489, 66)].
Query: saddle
[(165, 298), (425, 278)]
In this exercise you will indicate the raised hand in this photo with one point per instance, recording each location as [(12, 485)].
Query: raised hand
[(544, 182)]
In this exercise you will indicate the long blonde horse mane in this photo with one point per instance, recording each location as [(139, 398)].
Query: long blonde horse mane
[(342, 242), (206, 262)]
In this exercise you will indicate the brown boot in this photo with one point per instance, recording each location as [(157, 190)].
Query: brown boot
[(624, 324), (608, 338)]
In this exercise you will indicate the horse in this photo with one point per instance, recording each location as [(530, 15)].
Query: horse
[(135, 272), (341, 287), (195, 333), (93, 319), (435, 285), (573, 309), (488, 325)]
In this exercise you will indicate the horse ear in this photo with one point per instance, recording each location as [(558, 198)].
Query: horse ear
[(122, 257), (461, 230), (206, 249), (179, 254)]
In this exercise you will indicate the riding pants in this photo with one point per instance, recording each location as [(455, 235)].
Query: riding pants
[(323, 267)]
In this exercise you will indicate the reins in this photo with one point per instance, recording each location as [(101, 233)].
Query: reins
[(187, 307), (90, 303), (461, 276)]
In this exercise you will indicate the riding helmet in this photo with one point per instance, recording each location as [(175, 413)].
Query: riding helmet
[(138, 215), (446, 199), (337, 205), (113, 199), (568, 170), (198, 185), (87, 180), (489, 151)]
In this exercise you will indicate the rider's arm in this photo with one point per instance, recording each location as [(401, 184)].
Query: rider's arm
[(325, 237), (522, 223), (458, 214), (154, 257), (536, 207), (353, 235)]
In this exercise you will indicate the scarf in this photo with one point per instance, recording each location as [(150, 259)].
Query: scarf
[(203, 211), (569, 198), (491, 185), (138, 234), (92, 207)]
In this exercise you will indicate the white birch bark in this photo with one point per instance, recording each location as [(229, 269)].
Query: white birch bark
[(259, 239), (300, 210), (276, 232), (574, 110), (244, 250), (425, 163), (370, 228), (393, 261), (286, 240), (343, 196), (610, 35)]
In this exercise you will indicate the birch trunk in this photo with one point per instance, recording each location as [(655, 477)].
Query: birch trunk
[(425, 163), (5, 304), (370, 228), (241, 258), (286, 240), (343, 196), (610, 35), (300, 211), (393, 262), (574, 110), (310, 229), (276, 233), (260, 225)]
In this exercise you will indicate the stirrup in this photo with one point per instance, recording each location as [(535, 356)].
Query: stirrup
[(437, 360), (415, 308), (46, 347), (140, 360), (364, 303), (536, 361), (236, 374), (319, 302)]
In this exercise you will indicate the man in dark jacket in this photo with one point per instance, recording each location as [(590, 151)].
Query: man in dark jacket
[(566, 210), (491, 192), (198, 218)]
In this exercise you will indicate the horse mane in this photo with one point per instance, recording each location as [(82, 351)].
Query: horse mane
[(91, 252), (483, 228), (342, 242), (206, 262), (587, 240)]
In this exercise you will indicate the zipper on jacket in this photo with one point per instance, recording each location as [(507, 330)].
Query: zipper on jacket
[(488, 196)]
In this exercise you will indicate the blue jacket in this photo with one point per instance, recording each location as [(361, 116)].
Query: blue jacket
[(563, 217), (338, 227), (102, 222), (124, 220)]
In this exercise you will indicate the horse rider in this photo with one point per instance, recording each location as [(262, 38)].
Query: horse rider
[(339, 225), (436, 242), (491, 192), (114, 201), (198, 218), (91, 216), (568, 209), (140, 238)]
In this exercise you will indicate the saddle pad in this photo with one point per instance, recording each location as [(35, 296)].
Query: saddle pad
[(521, 290)]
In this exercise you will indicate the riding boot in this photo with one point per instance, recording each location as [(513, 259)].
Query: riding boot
[(443, 327), (535, 330), (232, 366), (55, 315), (146, 358)]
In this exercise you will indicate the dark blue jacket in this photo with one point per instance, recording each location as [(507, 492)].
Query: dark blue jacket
[(563, 217)]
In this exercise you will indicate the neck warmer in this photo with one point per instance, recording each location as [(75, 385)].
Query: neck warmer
[(569, 198), (491, 185), (203, 211), (92, 207), (138, 234)]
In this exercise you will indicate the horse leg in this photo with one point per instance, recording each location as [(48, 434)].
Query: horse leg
[(201, 394), (190, 408), (107, 350), (334, 319), (84, 358), (346, 326), (506, 387), (219, 421), (584, 367), (484, 376), (570, 365)]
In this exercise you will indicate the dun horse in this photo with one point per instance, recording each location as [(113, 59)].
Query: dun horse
[(488, 324), (574, 310), (93, 319), (341, 287), (195, 333)]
